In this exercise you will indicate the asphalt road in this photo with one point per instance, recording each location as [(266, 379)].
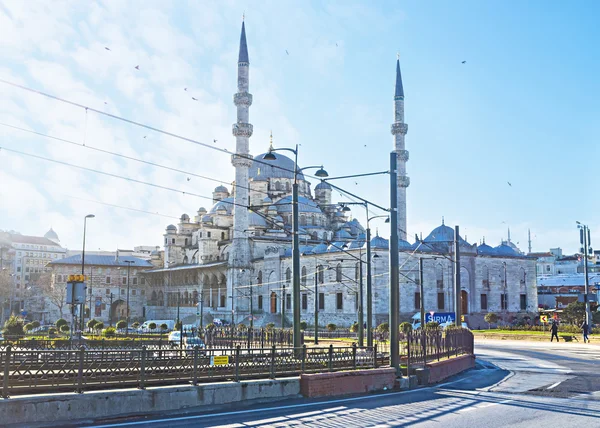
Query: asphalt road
[(516, 384)]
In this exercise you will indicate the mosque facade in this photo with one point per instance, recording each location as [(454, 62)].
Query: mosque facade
[(232, 261)]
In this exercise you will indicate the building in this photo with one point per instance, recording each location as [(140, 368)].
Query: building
[(26, 258), (107, 286), (230, 260)]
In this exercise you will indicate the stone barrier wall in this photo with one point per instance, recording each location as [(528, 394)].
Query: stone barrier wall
[(440, 370), (350, 382)]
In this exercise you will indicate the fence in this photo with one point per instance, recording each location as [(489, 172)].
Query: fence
[(35, 371)]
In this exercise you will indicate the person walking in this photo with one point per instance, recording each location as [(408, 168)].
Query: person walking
[(584, 329), (554, 330)]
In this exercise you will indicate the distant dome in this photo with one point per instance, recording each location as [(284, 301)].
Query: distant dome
[(342, 234), (51, 235), (380, 243), (221, 189), (267, 200), (305, 205), (281, 167), (185, 217), (485, 250), (505, 250), (155, 253), (357, 243), (442, 233), (355, 227), (323, 185), (207, 219), (336, 246), (320, 249), (171, 227), (226, 204), (201, 210), (256, 220), (404, 245)]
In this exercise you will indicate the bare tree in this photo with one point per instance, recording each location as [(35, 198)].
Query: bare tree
[(56, 294), (5, 286)]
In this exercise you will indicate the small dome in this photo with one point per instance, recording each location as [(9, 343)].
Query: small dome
[(185, 217), (226, 204), (339, 214), (221, 189), (256, 220), (404, 245), (320, 249), (335, 247), (442, 233), (201, 210), (267, 200), (505, 250), (380, 243), (342, 234), (51, 234), (155, 253), (485, 250), (323, 185), (171, 227), (207, 219), (305, 205), (306, 249), (357, 243)]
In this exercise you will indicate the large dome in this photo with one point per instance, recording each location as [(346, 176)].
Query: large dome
[(442, 233), (305, 205), (51, 234), (281, 167)]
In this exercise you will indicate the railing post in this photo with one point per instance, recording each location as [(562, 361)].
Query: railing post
[(303, 358), (375, 356), (424, 345), (330, 358), (142, 383), (7, 355), (408, 340), (195, 374), (80, 370), (237, 363), (273, 350), (354, 355)]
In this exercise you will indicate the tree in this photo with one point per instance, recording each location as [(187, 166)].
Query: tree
[(164, 327), (432, 325), (406, 327), (384, 327), (98, 326), (56, 294), (60, 322), (270, 326), (135, 325), (354, 327), (331, 327), (490, 318), (28, 327), (13, 327), (109, 332), (121, 324), (64, 328), (5, 288), (35, 324), (574, 313), (303, 325), (152, 326), (91, 323), (178, 325)]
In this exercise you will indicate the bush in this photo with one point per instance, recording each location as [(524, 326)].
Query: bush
[(303, 325), (406, 327), (331, 327), (60, 322), (13, 326), (91, 323), (121, 324), (136, 325), (51, 331), (164, 327), (354, 327), (109, 332), (98, 326), (35, 324), (490, 318), (270, 326), (242, 327), (64, 328), (28, 327), (178, 325), (152, 326), (432, 325), (210, 327), (384, 327)]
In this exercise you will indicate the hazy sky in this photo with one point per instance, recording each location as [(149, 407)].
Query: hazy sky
[(523, 109)]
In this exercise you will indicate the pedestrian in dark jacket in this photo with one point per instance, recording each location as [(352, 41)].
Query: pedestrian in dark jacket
[(585, 329), (554, 330)]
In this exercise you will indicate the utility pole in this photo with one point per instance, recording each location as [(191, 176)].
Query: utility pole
[(585, 240), (251, 308), (283, 308), (421, 292), (457, 298), (369, 290), (394, 291), (361, 321), (178, 304), (316, 306), (110, 320)]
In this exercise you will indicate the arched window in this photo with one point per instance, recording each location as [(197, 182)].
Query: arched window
[(321, 274), (186, 298), (260, 277), (439, 276), (303, 275), (287, 186), (338, 272), (186, 241), (314, 236), (185, 260), (288, 275), (277, 186), (485, 281), (302, 220), (222, 236), (161, 298), (195, 301), (357, 271), (523, 278), (154, 297)]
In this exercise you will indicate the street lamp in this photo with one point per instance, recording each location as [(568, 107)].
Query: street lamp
[(82, 272), (321, 173), (585, 241), (129, 262)]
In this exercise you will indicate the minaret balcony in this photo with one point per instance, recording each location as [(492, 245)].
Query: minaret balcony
[(402, 155), (241, 160), (242, 99), (403, 181), (399, 128), (242, 129)]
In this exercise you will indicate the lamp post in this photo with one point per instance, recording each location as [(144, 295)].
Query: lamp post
[(584, 238), (82, 272), (129, 262), (295, 243), (394, 291)]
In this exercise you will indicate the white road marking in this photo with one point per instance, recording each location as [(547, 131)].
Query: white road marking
[(554, 385)]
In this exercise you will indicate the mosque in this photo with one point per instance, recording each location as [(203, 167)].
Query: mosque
[(233, 262)]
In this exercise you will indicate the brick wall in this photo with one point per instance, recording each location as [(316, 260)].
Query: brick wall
[(350, 382), (441, 370)]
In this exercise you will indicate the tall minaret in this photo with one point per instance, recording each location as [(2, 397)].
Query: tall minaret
[(242, 130), (399, 129)]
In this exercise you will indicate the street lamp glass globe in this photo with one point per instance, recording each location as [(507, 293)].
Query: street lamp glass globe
[(321, 173), (90, 216)]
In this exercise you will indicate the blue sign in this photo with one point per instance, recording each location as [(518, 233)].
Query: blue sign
[(441, 317), (24, 313)]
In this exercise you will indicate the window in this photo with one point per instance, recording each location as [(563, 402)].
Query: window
[(503, 301), (133, 292), (357, 271), (134, 281), (222, 301), (288, 275), (523, 302), (122, 291), (173, 241), (440, 300), (260, 302), (417, 300), (208, 234), (108, 279), (321, 274), (321, 301), (18, 268), (124, 280), (304, 301), (303, 277), (108, 291), (338, 273), (186, 241), (547, 268), (288, 301), (143, 280), (339, 301), (484, 305), (222, 235), (143, 292), (58, 277), (260, 277)]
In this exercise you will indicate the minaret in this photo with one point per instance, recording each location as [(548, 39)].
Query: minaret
[(529, 239), (242, 130), (399, 129)]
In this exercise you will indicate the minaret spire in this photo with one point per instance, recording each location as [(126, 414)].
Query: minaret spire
[(243, 56), (529, 239), (399, 129)]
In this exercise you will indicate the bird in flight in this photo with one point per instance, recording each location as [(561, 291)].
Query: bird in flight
[(509, 183), (287, 52), (185, 89), (106, 48), (145, 136), (214, 141), (137, 67), (188, 178), (105, 102), (195, 99), (336, 44), (464, 62)]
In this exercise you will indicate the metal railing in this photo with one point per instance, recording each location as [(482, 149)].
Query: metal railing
[(42, 371)]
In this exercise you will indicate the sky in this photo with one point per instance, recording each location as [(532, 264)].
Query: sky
[(522, 110)]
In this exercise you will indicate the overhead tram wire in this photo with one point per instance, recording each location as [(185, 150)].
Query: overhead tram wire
[(151, 128), (85, 146), (122, 207)]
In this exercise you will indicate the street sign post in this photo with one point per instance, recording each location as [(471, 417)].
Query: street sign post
[(544, 318)]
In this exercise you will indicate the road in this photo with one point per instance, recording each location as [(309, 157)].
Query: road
[(516, 384)]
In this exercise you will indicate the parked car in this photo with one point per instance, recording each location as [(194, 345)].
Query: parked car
[(42, 329), (189, 343)]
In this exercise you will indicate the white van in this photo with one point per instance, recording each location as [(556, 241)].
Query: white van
[(144, 327)]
